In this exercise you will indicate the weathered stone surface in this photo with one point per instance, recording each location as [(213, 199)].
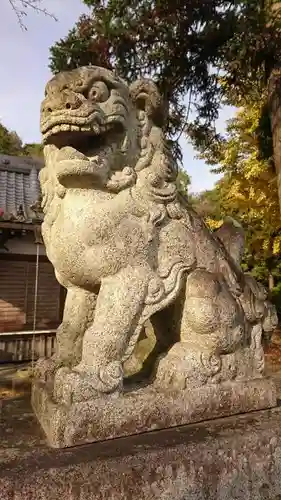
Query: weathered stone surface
[(145, 410), (234, 458), (129, 248)]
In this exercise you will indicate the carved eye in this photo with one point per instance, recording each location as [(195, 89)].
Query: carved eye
[(99, 92)]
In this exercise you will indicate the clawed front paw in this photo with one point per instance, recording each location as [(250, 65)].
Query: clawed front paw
[(44, 369), (106, 378), (111, 376), (82, 383), (72, 387)]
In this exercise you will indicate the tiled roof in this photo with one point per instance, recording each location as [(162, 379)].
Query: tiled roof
[(19, 187)]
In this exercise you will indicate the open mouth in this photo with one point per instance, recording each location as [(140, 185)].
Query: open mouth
[(82, 140)]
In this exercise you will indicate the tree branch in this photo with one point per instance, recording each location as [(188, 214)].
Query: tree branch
[(186, 116), (20, 8)]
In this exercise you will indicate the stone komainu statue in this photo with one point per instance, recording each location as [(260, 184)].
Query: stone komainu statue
[(128, 247)]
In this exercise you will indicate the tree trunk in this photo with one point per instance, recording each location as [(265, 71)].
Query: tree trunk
[(274, 101), (270, 282)]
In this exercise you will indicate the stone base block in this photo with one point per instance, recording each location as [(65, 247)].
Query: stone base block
[(232, 458), (145, 410)]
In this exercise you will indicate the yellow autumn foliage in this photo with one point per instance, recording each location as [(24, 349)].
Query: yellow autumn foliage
[(249, 187), (213, 224), (277, 245)]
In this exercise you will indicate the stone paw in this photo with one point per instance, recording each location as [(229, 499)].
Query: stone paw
[(73, 387), (83, 384), (104, 379), (111, 376), (44, 369), (184, 366)]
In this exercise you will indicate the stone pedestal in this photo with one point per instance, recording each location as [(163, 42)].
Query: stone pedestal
[(232, 458), (145, 409)]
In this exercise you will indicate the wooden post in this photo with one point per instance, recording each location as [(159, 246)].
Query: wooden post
[(274, 101)]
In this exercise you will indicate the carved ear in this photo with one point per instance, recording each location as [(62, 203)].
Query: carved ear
[(146, 97), (232, 235)]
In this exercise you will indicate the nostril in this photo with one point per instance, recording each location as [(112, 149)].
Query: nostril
[(68, 105)]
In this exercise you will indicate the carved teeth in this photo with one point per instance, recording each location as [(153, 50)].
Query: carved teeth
[(84, 129), (96, 129), (56, 129), (74, 128)]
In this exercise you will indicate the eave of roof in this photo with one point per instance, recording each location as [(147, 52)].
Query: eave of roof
[(19, 189)]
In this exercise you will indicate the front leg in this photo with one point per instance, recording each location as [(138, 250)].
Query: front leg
[(78, 314), (118, 312)]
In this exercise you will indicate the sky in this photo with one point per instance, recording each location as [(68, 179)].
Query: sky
[(24, 73)]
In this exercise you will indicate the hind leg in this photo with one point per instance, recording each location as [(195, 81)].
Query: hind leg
[(212, 324)]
